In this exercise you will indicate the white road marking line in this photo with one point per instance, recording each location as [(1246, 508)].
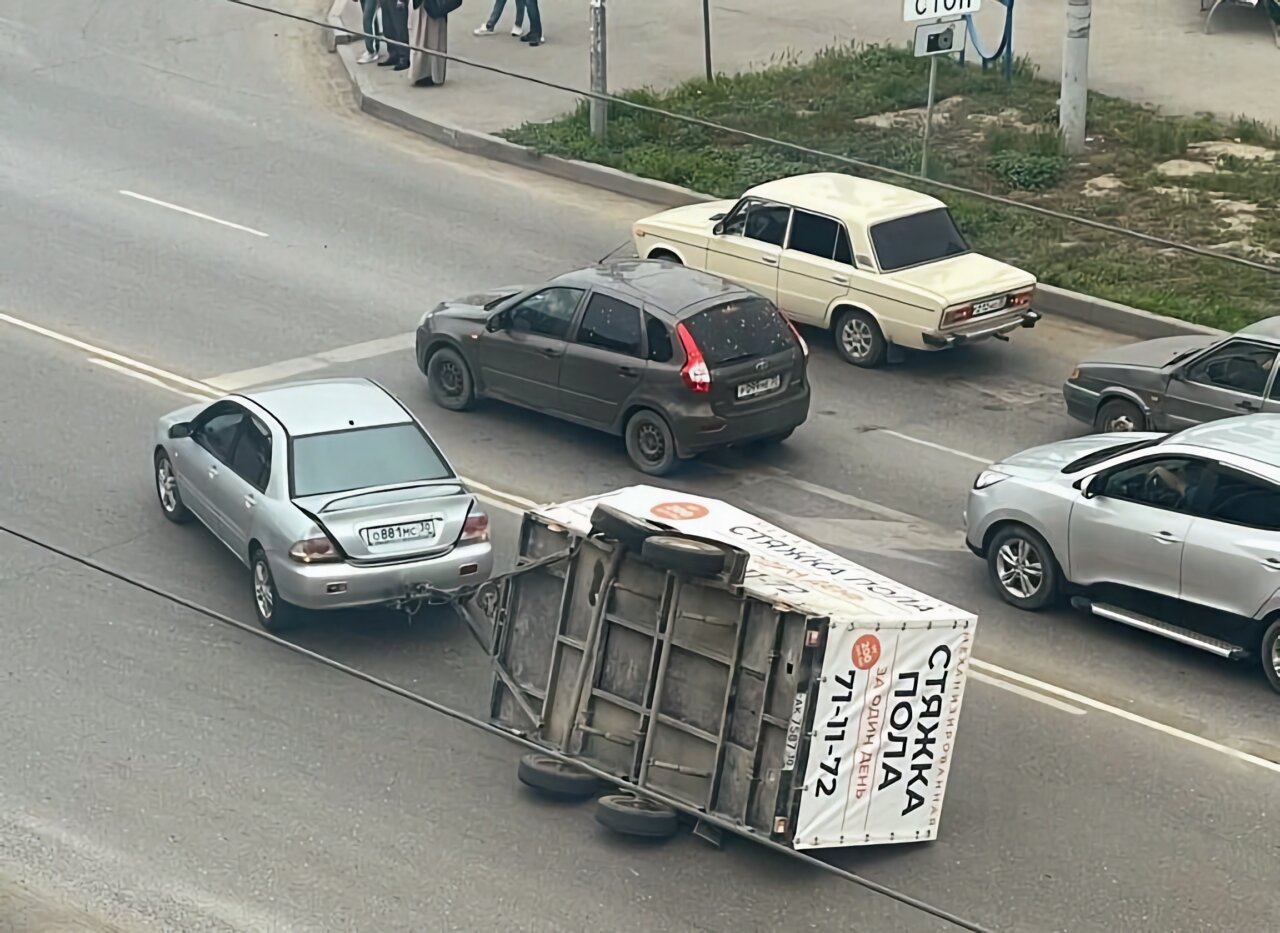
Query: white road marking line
[(143, 377), (1158, 726), (985, 461), (274, 372), (519, 503), (120, 358), (1024, 692), (186, 210)]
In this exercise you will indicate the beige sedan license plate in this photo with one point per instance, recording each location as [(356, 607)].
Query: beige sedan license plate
[(991, 304)]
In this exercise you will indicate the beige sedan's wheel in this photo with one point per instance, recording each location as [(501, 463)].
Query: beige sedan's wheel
[(858, 338)]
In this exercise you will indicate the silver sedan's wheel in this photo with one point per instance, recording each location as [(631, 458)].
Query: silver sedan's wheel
[(1023, 568), (167, 490), (274, 614)]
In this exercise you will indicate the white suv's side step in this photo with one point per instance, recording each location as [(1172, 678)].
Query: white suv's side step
[(1173, 632)]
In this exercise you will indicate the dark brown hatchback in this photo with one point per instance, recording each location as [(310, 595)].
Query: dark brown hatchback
[(676, 361)]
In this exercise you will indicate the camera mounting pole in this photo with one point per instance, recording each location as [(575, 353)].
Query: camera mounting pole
[(933, 40)]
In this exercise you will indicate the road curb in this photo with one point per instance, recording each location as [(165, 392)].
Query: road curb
[(338, 35), (1060, 302)]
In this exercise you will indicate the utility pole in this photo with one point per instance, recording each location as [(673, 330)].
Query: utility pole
[(928, 116), (599, 71), (1073, 102)]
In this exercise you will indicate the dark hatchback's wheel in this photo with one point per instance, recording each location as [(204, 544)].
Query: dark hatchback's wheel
[(555, 778), (1023, 569), (629, 815), (1119, 415), (650, 444), (449, 380), (1270, 654), (167, 491), (859, 339), (274, 614)]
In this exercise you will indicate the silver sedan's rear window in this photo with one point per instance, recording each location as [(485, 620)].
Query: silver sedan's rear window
[(342, 461)]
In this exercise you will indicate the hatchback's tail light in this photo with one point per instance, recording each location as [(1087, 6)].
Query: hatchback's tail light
[(694, 372), (315, 551), (804, 347), (476, 528)]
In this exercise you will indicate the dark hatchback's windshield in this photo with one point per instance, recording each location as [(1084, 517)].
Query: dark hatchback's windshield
[(746, 329), (917, 239), (342, 461)]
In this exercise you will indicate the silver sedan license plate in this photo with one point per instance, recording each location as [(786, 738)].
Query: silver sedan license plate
[(991, 304), (405, 531), (759, 386)]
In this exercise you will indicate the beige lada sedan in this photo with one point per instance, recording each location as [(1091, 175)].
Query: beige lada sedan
[(880, 266)]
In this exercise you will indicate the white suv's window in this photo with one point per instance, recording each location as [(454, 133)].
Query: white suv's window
[(1243, 500), (1163, 482)]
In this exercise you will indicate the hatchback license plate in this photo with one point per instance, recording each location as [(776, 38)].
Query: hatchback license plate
[(759, 386), (394, 534), (991, 304)]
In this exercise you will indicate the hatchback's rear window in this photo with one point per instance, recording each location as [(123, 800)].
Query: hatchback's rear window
[(746, 329)]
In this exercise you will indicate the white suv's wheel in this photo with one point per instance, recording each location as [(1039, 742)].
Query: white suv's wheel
[(1023, 569), (1270, 654)]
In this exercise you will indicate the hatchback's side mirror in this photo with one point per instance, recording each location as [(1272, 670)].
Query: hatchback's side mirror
[(181, 429), (496, 322)]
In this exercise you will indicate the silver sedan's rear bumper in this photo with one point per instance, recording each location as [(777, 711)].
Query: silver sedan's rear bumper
[(347, 586)]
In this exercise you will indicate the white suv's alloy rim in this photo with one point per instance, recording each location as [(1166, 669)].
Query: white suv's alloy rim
[(167, 486), (856, 337), (262, 589), (1275, 656), (1019, 568)]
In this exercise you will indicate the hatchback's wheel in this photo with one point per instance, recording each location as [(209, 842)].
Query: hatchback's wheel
[(1023, 568), (555, 778), (1270, 654), (1119, 415), (167, 490), (636, 816), (650, 444), (449, 380), (274, 614), (859, 339)]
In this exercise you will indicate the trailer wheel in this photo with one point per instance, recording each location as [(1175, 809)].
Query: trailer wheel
[(555, 778), (617, 525), (629, 815), (685, 555)]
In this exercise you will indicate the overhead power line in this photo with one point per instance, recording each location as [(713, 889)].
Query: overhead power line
[(1150, 239)]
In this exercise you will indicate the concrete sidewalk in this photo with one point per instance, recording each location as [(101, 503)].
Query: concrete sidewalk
[(1148, 50)]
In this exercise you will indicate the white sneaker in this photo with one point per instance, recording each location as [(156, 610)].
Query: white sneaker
[(482, 30), (517, 31), (366, 58)]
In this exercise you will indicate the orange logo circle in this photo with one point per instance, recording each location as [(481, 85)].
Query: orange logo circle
[(679, 511), (866, 651)]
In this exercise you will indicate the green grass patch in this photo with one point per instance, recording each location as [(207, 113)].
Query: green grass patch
[(990, 136)]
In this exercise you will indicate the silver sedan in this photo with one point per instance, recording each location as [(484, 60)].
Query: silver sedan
[(1177, 535), (330, 491)]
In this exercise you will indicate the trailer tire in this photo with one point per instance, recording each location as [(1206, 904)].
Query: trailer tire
[(685, 555), (627, 530), (555, 778), (629, 815)]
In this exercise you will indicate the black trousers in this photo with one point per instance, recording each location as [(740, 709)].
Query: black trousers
[(395, 26)]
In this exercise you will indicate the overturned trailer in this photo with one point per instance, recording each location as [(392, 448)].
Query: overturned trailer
[(728, 669)]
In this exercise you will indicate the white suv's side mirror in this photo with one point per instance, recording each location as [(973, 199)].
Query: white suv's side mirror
[(1088, 486)]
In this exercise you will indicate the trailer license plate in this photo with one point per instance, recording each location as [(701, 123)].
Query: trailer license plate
[(759, 386), (991, 304), (405, 531)]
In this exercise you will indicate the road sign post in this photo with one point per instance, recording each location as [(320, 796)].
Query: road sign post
[(933, 40)]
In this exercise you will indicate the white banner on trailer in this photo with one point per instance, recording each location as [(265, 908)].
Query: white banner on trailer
[(884, 730)]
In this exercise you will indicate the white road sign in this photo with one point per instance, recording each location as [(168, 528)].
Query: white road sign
[(913, 11)]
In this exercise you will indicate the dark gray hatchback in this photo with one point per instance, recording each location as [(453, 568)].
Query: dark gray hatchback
[(676, 361)]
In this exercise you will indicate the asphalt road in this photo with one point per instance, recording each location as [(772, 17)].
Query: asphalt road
[(174, 773)]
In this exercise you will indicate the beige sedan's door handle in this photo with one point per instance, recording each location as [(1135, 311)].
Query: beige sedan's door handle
[(840, 279), (771, 260)]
